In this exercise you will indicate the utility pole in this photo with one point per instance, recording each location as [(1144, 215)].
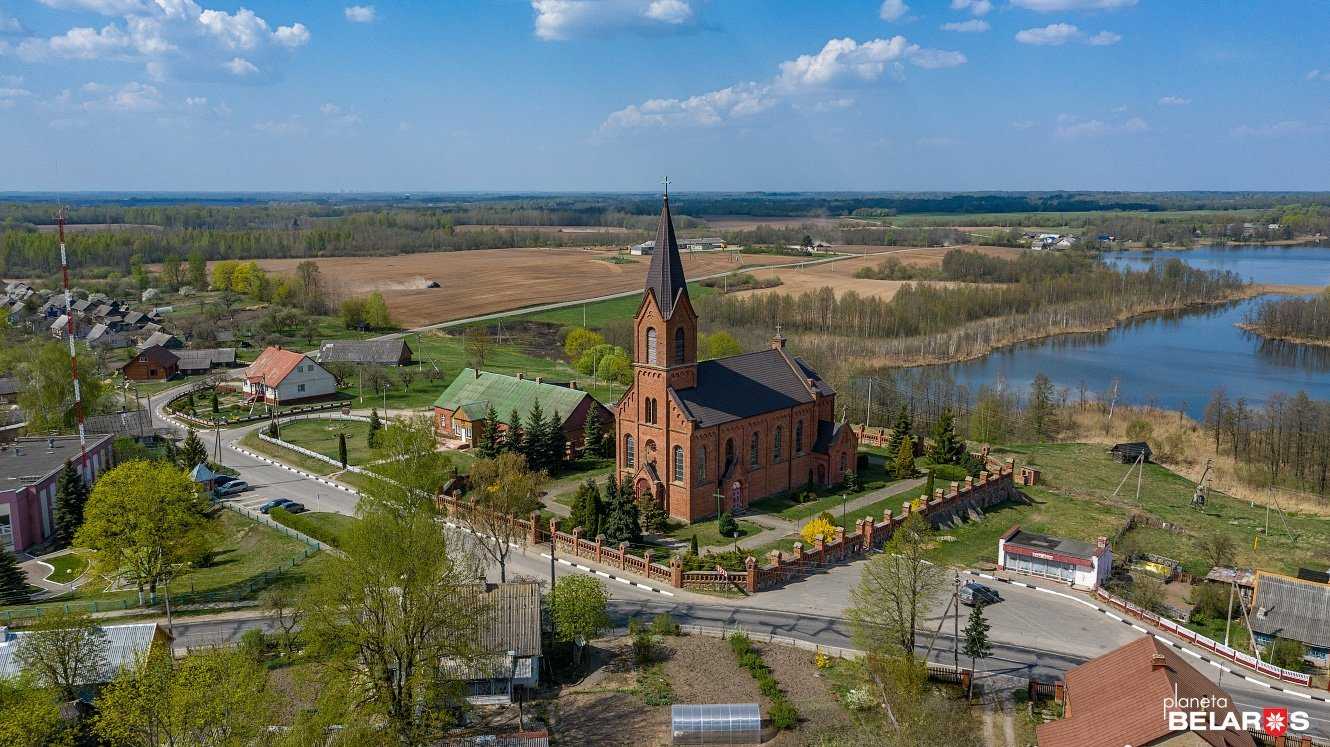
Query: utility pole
[(1228, 621), (868, 416)]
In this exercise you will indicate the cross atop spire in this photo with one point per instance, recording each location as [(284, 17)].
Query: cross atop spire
[(665, 275), (666, 182)]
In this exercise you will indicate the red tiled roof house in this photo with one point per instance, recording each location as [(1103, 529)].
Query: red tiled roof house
[(285, 376)]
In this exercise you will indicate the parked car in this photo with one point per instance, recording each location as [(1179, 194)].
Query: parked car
[(973, 593), (233, 487), (221, 480), (274, 503), (293, 507)]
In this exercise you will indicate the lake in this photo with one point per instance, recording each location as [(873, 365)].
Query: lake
[(1177, 360)]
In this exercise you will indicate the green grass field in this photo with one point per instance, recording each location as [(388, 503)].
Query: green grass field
[(323, 526), (245, 551), (320, 435), (708, 535), (594, 315), (252, 442), (67, 567)]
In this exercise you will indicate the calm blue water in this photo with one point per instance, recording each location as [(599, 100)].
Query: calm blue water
[(1176, 361)]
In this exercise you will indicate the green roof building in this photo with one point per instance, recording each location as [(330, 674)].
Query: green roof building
[(466, 401)]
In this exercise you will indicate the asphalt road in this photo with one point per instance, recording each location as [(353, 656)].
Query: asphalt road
[(1035, 634)]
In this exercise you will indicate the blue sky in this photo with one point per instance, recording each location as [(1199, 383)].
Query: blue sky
[(612, 94)]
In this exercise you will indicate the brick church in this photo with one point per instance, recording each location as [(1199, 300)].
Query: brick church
[(729, 431)]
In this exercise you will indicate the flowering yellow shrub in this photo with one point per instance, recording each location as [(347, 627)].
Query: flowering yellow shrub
[(818, 526)]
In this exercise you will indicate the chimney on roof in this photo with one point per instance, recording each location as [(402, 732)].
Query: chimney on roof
[(572, 385), (521, 375), (540, 379), (1100, 542), (1260, 612), (1157, 662), (476, 371)]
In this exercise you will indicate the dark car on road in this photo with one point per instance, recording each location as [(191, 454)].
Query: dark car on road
[(274, 503), (974, 593), (293, 507)]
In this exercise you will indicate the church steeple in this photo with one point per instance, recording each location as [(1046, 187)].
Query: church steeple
[(665, 276)]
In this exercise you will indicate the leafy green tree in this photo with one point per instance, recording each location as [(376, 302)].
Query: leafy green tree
[(144, 519), (621, 522), (170, 275), (579, 340), (64, 651), (503, 488), (726, 525), (650, 514), (30, 715), (214, 696), (197, 274), (487, 440), (341, 449), (71, 495), (579, 606), (47, 396), (1041, 412), (352, 312), (385, 612), (976, 644), (904, 466), (895, 589), (900, 430), (376, 312), (720, 345), (587, 509), (192, 452), (593, 437), (14, 588), (375, 425), (945, 446), (556, 444), (1288, 653), (615, 367)]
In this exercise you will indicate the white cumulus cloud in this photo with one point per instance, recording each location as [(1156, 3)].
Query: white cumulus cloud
[(1173, 101), (972, 26), (1059, 6), (561, 20), (976, 7), (10, 25), (893, 10), (241, 67), (1070, 126), (840, 62), (1057, 34), (130, 97), (1318, 75), (1104, 39), (360, 13)]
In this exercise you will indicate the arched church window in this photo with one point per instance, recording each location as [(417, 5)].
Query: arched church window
[(678, 464), (629, 451), (777, 445), (729, 451), (799, 437), (701, 460), (679, 344), (753, 456), (651, 346), (842, 464)]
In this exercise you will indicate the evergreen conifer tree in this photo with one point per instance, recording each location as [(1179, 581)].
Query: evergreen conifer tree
[(593, 437), (341, 449), (488, 438), (899, 430), (71, 494), (556, 444), (215, 408), (621, 523), (946, 446), (14, 587), (976, 644), (535, 439), (692, 547), (375, 425), (905, 460), (193, 452), (512, 439)]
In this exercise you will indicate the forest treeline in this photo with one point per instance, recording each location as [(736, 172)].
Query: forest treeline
[(968, 266), (1293, 318)]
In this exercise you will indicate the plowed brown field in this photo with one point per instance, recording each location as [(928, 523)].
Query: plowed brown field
[(483, 282)]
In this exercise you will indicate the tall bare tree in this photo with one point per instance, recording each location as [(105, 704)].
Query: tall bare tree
[(895, 590), (504, 489)]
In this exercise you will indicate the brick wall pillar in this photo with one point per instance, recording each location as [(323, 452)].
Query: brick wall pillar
[(965, 679), (623, 553), (821, 544), (676, 572), (577, 541), (906, 507), (1059, 692), (798, 552), (533, 531), (840, 543), (647, 555), (750, 564), (600, 546), (554, 532)]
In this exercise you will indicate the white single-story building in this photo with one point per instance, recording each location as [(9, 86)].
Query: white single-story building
[(1080, 564), (285, 376)]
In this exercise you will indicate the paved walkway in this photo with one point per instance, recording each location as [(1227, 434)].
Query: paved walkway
[(776, 527), (38, 568)]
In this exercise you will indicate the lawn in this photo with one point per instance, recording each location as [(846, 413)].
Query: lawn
[(1076, 500), (872, 476), (67, 567), (448, 354), (320, 435), (595, 315), (323, 526), (252, 442), (708, 535), (248, 558)]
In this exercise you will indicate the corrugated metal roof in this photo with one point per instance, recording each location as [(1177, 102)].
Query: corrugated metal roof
[(509, 617), (383, 352), (478, 392), (1293, 608), (125, 645)]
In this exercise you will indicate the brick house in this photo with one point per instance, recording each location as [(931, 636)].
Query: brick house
[(731, 430), (151, 364), (29, 470), (462, 407)]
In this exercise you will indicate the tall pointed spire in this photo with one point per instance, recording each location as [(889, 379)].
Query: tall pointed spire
[(665, 276)]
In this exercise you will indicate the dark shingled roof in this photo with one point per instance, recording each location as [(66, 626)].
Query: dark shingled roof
[(742, 386), (383, 352), (827, 433), (665, 276), (1293, 608), (1036, 541), (509, 617)]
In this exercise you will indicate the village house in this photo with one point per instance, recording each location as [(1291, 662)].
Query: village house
[(127, 646), (284, 376), (393, 352), (1080, 564), (204, 360), (29, 468), (462, 408), (1293, 608), (508, 643), (151, 364), (718, 434), (1119, 699)]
